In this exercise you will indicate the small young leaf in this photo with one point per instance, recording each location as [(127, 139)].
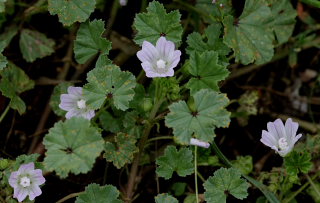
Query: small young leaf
[(95, 193), (109, 82), (71, 11), (62, 88), (180, 161), (223, 182), (13, 82), (209, 113), (165, 198), (35, 45), (206, 71), (73, 141), (7, 35), (155, 23), (212, 42), (250, 36), (89, 41), (122, 153), (297, 162)]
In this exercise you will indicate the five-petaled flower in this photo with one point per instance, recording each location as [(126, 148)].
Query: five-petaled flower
[(75, 104), (281, 137), (159, 60), (26, 182)]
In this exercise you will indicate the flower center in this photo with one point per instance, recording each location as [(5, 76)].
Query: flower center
[(81, 104), (161, 64), (283, 144), (25, 181)]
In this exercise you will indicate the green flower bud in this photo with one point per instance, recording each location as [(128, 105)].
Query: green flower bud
[(146, 104)]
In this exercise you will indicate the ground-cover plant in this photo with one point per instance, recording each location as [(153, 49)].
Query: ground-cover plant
[(159, 101)]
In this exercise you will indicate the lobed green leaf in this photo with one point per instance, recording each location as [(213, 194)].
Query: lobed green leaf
[(95, 193)]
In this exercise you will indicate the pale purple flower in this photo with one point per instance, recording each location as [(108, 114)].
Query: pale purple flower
[(26, 182), (75, 104), (159, 60), (281, 137), (123, 2), (199, 143)]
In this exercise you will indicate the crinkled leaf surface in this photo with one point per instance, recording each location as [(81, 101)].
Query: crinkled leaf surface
[(70, 11), (283, 19), (210, 41), (112, 83), (244, 164), (206, 71), (7, 35), (173, 160), (13, 82), (62, 88), (213, 12), (122, 153), (250, 36), (209, 113), (225, 181), (110, 123), (131, 125), (34, 44), (89, 41), (165, 198), (72, 141), (3, 61), (157, 22), (95, 193), (297, 162)]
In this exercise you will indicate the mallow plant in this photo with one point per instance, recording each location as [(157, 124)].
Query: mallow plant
[(158, 107)]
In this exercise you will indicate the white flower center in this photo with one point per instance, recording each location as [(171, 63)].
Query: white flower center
[(283, 144), (161, 64), (81, 104), (25, 181)]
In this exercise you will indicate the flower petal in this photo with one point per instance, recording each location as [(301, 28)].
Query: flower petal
[(291, 130), (268, 139), (88, 115), (25, 168), (164, 47), (37, 177), (148, 52), (20, 193), (77, 91), (34, 191), (175, 59), (13, 180)]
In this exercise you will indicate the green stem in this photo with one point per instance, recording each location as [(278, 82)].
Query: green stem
[(201, 177), (223, 158), (160, 138), (72, 195), (4, 113), (196, 173), (313, 185)]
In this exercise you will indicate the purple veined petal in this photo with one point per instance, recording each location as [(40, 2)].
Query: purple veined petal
[(280, 128), (272, 129), (199, 143), (26, 168), (34, 191), (37, 177), (77, 91), (20, 193), (164, 47), (13, 180), (89, 114), (73, 113), (291, 130), (296, 138), (148, 52), (169, 73), (67, 106), (268, 139), (150, 72), (68, 98), (175, 59)]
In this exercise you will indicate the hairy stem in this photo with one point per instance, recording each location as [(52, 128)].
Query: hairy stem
[(4, 113), (196, 173)]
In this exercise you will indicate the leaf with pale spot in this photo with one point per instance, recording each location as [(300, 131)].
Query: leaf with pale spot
[(157, 22), (71, 11), (109, 82), (180, 161), (72, 141), (223, 182), (208, 114), (206, 71), (165, 198), (250, 36), (95, 193), (121, 153), (90, 42), (34, 44)]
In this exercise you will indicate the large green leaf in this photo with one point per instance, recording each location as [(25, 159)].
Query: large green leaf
[(210, 41), (180, 161), (165, 198), (283, 19), (209, 112), (34, 44), (62, 88), (157, 22), (297, 162), (72, 146), (70, 11), (14, 81), (250, 36), (89, 41), (109, 82), (223, 182), (122, 153), (95, 193), (206, 71)]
